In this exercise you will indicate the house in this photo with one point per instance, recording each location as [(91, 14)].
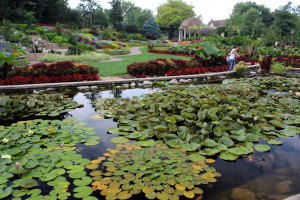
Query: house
[(216, 23)]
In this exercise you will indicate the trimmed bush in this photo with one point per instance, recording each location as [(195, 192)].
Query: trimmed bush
[(50, 73), (87, 57)]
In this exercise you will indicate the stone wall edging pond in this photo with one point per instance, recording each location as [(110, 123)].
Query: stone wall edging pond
[(145, 81)]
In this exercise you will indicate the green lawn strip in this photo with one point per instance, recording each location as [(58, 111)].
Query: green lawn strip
[(120, 67)]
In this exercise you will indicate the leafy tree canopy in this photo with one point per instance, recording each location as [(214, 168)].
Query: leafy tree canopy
[(173, 13)]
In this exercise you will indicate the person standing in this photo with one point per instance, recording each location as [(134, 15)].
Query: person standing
[(233, 55)]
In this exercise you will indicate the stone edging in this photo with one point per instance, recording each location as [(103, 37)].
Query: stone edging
[(199, 77)]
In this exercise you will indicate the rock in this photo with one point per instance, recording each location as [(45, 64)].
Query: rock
[(253, 73), (284, 187), (222, 77), (132, 84), (280, 177), (118, 86), (242, 194), (50, 89), (94, 87), (295, 197), (277, 197), (83, 87), (125, 85), (173, 82), (147, 83), (280, 171), (189, 80), (183, 81)]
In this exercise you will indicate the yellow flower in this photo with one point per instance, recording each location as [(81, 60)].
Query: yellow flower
[(6, 156), (5, 140)]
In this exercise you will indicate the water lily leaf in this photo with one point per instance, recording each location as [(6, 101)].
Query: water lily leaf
[(228, 156), (81, 192), (180, 187), (189, 194), (210, 143), (196, 158), (83, 182), (239, 138), (113, 130), (148, 143), (90, 198), (75, 169), (119, 140), (30, 183), (277, 124), (134, 135), (162, 195), (226, 141), (49, 176), (148, 189), (274, 142), (197, 191), (238, 151), (5, 193), (262, 147), (124, 195), (64, 196), (97, 117), (34, 192), (91, 143), (151, 195), (191, 146), (286, 134)]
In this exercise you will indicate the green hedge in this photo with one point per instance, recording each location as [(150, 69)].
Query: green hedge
[(87, 57)]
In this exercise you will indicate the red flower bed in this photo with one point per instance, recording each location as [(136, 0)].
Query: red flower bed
[(172, 54), (292, 60), (163, 67), (50, 73)]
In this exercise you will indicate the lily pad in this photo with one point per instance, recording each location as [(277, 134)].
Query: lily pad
[(262, 147), (119, 140)]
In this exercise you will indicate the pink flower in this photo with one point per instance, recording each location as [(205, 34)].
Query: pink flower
[(256, 118), (17, 165), (298, 94)]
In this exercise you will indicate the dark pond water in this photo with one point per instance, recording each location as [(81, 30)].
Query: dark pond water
[(265, 176), (273, 175)]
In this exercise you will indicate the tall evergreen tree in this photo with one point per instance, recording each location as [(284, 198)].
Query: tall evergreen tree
[(116, 15), (151, 29)]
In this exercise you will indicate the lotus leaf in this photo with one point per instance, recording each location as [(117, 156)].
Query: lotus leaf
[(274, 142), (83, 182), (34, 192), (210, 143), (29, 183), (238, 151), (148, 143), (262, 147)]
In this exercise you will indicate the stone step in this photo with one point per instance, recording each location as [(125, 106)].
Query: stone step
[(35, 56)]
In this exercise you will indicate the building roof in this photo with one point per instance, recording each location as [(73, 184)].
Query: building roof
[(190, 22), (216, 23)]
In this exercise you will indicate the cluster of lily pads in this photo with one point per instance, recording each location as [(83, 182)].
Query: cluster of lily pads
[(159, 172), (42, 151), (21, 106), (213, 119), (278, 83)]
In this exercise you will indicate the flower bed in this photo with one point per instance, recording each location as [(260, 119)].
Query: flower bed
[(50, 73), (169, 52), (91, 40), (163, 67), (292, 60)]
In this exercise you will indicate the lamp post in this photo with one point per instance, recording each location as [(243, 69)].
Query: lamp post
[(292, 33)]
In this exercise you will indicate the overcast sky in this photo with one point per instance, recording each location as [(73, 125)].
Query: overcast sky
[(209, 9)]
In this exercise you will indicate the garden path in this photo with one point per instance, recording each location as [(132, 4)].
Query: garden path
[(133, 51)]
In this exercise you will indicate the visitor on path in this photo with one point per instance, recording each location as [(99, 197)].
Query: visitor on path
[(233, 55)]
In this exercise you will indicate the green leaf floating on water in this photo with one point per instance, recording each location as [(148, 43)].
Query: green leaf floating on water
[(83, 182), (81, 192), (29, 183), (274, 142), (262, 147), (5, 193), (228, 156), (148, 143), (119, 140)]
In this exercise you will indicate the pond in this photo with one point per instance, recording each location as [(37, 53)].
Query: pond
[(274, 174)]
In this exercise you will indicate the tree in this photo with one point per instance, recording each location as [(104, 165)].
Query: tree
[(285, 19), (172, 14), (151, 29), (251, 23), (101, 18), (89, 6), (243, 7), (116, 14), (30, 19)]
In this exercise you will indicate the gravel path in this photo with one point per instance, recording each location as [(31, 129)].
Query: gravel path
[(133, 51)]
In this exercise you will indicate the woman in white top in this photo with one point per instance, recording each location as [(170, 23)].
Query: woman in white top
[(233, 55)]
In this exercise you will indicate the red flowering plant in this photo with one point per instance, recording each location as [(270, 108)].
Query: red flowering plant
[(51, 73)]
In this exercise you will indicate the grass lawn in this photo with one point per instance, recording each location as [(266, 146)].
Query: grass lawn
[(120, 67)]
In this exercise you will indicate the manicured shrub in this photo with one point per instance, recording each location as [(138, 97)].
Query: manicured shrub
[(163, 67), (87, 57), (50, 73)]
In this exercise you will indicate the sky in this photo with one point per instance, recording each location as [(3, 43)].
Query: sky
[(209, 9)]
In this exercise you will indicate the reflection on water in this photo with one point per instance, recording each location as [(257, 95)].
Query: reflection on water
[(260, 176)]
